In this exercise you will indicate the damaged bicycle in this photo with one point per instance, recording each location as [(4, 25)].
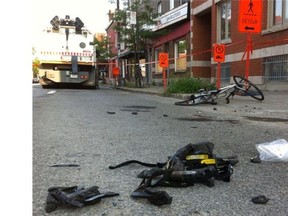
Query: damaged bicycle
[(241, 86)]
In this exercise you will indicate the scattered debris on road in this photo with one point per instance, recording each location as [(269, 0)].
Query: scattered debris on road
[(260, 199), (193, 163), (65, 165), (74, 196)]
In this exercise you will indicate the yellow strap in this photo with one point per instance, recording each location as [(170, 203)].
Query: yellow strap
[(200, 156), (208, 161)]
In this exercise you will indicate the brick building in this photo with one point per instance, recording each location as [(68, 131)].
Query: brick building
[(174, 17), (193, 27), (269, 58)]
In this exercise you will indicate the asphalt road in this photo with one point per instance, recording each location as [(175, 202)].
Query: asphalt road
[(98, 128)]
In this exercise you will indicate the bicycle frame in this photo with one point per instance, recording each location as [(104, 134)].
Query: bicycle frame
[(224, 90)]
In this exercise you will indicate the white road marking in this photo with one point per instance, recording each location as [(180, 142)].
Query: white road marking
[(51, 92)]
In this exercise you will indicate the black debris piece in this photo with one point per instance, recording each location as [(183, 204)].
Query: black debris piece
[(193, 163), (260, 199), (157, 198), (74, 196), (255, 159), (65, 165), (110, 112)]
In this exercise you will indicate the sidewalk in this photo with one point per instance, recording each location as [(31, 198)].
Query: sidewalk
[(275, 102), (152, 90), (156, 90)]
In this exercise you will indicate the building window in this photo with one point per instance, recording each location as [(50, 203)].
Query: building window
[(182, 2), (280, 12), (276, 68), (159, 9), (277, 16), (171, 4), (225, 20), (180, 55)]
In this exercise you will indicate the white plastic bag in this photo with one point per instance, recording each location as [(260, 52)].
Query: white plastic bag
[(275, 151)]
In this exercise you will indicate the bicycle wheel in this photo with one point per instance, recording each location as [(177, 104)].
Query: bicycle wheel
[(248, 87), (194, 100)]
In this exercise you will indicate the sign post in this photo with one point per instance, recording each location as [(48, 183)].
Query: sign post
[(164, 63), (250, 21), (247, 52), (219, 56)]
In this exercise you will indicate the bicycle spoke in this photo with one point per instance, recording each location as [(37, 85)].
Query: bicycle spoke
[(249, 88)]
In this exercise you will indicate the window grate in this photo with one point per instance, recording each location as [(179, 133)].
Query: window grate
[(225, 73), (276, 68)]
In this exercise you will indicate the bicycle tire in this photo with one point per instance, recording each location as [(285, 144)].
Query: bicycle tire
[(250, 88), (198, 99)]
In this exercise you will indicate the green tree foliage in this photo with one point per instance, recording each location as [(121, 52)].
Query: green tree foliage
[(35, 67), (103, 50), (188, 85), (137, 35), (35, 64)]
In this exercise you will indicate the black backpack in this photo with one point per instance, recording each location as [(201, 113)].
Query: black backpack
[(193, 163)]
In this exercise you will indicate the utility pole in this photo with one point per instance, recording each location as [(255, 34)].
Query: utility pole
[(117, 3), (118, 45), (137, 68)]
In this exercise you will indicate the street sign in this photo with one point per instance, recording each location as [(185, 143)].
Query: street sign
[(219, 53), (163, 59), (133, 20), (250, 16), (116, 71)]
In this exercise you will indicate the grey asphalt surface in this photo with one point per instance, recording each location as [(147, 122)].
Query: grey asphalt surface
[(95, 139)]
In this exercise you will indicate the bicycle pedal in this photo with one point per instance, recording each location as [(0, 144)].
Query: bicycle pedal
[(227, 101)]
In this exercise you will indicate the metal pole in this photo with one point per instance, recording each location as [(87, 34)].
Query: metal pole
[(218, 82), (248, 50)]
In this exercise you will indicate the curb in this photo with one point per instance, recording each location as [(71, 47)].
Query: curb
[(143, 91), (138, 91)]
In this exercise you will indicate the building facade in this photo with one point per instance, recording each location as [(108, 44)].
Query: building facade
[(194, 27), (268, 64), (174, 18)]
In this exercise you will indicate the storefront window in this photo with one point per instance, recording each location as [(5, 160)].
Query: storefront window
[(159, 9), (158, 69), (180, 55), (171, 4)]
